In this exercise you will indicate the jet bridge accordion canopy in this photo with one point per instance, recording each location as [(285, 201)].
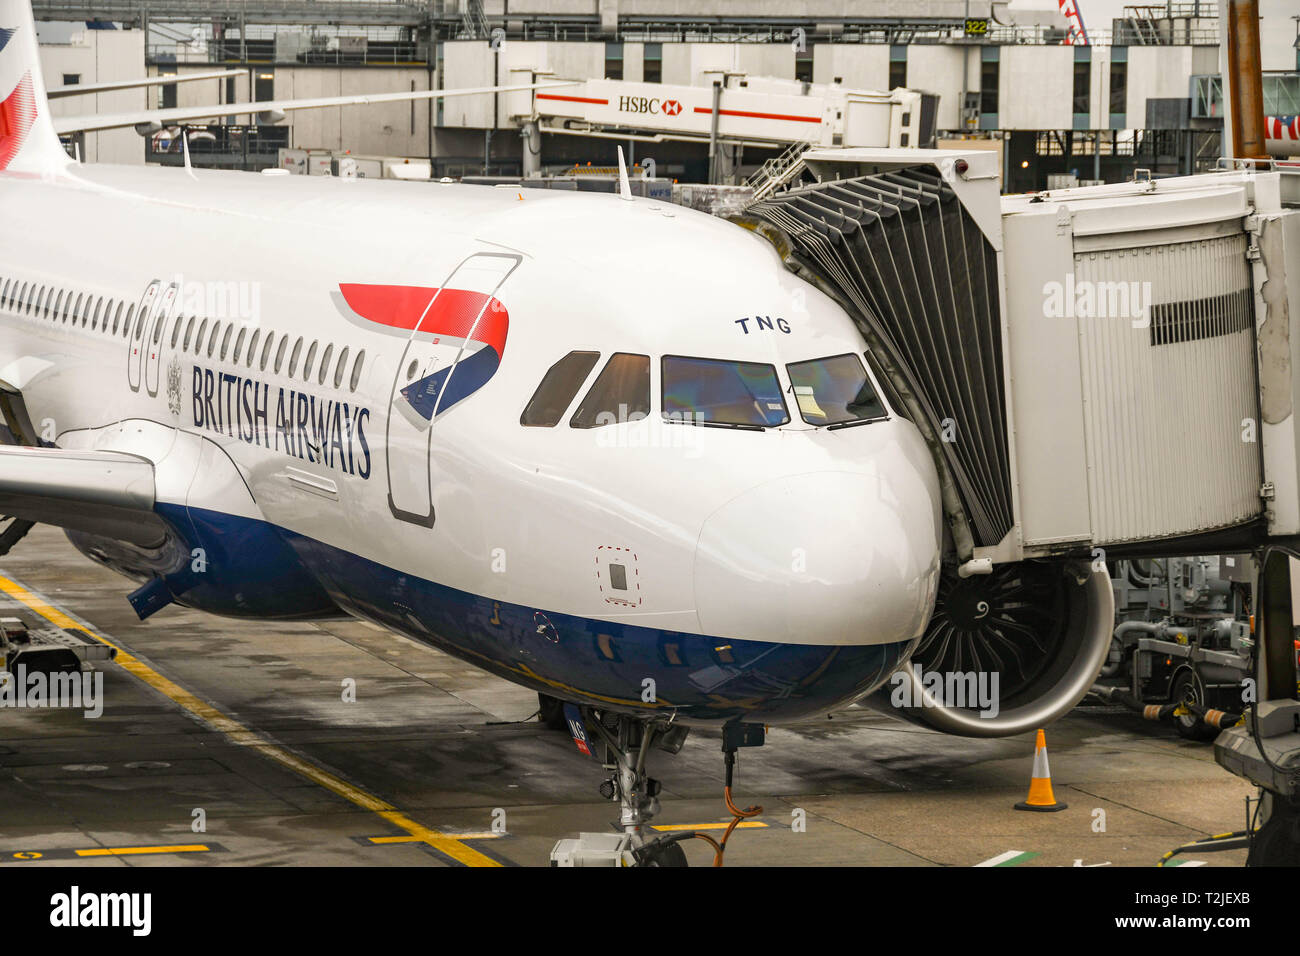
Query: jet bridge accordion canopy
[(910, 264)]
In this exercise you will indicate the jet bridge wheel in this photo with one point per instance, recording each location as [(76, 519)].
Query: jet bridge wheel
[(1012, 621), (12, 531)]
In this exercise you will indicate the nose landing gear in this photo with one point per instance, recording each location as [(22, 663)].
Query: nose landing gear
[(625, 742)]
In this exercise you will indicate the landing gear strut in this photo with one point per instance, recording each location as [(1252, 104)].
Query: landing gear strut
[(625, 743)]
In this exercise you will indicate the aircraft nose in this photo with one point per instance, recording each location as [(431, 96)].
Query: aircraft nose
[(822, 558)]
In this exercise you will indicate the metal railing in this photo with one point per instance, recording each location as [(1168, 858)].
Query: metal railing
[(778, 171)]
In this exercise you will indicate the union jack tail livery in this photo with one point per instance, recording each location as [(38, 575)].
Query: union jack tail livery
[(1076, 33), (28, 143)]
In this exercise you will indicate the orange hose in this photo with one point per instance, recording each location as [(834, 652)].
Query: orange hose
[(737, 816)]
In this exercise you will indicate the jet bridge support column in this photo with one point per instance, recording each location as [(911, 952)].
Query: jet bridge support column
[(1265, 747), (530, 133)]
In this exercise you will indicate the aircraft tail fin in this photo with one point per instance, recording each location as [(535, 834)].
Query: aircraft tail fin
[(28, 142)]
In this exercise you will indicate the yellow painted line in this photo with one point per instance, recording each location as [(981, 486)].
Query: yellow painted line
[(132, 850), (744, 825), (384, 840), (241, 735)]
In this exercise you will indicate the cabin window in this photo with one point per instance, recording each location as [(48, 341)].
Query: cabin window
[(176, 330), (621, 393), (252, 348), (720, 392), (325, 364), (126, 326), (311, 360), (225, 341), (212, 338), (293, 359), (189, 334), (341, 369), (557, 390), (99, 309), (279, 353), (117, 317), (266, 350), (356, 371), (834, 391)]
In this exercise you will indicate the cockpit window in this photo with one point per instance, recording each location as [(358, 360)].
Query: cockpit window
[(834, 391), (720, 392), (559, 385), (621, 393)]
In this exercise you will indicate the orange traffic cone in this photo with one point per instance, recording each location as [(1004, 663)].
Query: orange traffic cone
[(1040, 796)]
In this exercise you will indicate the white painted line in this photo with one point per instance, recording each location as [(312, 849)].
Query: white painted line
[(1001, 858)]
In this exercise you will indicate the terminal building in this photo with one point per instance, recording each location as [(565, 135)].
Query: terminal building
[(1056, 96)]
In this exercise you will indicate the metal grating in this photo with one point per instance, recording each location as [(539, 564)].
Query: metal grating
[(900, 251)]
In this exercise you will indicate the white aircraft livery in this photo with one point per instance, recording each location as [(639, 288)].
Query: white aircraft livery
[(578, 441)]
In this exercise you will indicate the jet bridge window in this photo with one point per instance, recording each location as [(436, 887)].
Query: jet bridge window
[(558, 387), (719, 392), (834, 391), (621, 393)]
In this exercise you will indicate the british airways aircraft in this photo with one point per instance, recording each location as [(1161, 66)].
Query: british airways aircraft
[(610, 450)]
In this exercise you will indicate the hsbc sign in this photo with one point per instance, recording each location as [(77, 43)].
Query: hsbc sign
[(648, 105)]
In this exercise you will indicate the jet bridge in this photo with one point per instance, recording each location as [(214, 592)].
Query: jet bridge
[(759, 111), (1098, 372), (1083, 361)]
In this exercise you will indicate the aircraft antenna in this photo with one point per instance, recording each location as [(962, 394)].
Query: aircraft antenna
[(624, 187), (185, 148)]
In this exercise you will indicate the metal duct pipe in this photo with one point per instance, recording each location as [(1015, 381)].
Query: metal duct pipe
[(1246, 84)]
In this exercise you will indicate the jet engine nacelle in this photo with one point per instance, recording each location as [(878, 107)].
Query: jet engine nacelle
[(1006, 652)]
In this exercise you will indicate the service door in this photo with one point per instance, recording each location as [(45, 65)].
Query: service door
[(135, 341), (425, 385), (153, 345)]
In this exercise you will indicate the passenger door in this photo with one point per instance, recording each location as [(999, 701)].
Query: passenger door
[(425, 385), (153, 344), (135, 341)]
